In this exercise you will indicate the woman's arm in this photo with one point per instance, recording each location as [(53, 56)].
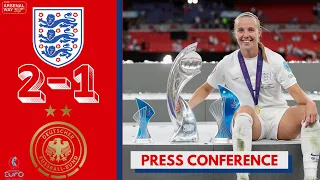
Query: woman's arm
[(301, 98), (299, 95), (200, 94)]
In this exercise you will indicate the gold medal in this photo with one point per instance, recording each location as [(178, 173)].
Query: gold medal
[(256, 109)]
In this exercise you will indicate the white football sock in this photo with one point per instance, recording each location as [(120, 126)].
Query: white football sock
[(242, 137), (310, 147)]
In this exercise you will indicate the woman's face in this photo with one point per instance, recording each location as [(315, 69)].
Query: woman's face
[(247, 33)]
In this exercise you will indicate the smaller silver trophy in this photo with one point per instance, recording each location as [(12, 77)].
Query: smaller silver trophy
[(142, 117), (223, 110)]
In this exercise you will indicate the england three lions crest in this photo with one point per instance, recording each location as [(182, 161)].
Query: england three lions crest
[(58, 34)]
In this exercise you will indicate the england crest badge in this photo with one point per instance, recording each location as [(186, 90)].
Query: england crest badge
[(58, 34)]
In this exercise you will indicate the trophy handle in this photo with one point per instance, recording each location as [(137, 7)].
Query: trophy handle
[(186, 65)]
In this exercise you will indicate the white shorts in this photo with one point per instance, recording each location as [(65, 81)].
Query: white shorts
[(270, 119)]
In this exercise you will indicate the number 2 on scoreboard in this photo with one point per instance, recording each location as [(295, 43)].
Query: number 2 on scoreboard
[(29, 92)]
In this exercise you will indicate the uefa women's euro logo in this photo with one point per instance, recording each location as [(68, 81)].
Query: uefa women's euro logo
[(14, 173), (58, 34)]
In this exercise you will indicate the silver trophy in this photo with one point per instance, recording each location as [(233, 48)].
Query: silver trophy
[(223, 110), (142, 117), (186, 65)]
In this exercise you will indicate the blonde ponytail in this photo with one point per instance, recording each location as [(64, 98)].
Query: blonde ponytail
[(264, 55)]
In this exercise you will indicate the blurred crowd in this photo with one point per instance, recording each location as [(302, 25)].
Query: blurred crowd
[(168, 17)]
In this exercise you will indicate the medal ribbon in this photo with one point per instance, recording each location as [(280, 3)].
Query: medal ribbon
[(255, 96)]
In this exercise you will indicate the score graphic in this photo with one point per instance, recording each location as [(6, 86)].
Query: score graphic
[(30, 92)]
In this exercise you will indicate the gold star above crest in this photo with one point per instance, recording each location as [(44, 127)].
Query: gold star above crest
[(50, 111), (66, 111)]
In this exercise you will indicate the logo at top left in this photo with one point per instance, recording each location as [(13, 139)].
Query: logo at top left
[(58, 34), (14, 7)]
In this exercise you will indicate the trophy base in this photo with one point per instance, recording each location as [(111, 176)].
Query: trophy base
[(180, 137), (220, 140), (142, 141), (182, 140), (186, 132)]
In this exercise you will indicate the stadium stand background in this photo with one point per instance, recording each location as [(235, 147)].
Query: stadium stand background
[(155, 28)]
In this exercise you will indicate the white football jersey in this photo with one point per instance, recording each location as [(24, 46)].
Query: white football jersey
[(276, 73)]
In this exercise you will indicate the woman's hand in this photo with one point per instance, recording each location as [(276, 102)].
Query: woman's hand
[(301, 98), (178, 107), (311, 113)]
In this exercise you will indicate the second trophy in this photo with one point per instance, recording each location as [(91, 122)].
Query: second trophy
[(223, 110)]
